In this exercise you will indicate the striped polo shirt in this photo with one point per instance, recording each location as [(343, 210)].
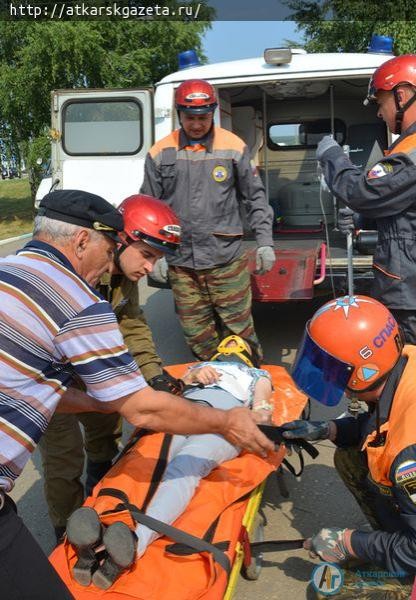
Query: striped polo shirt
[(53, 327)]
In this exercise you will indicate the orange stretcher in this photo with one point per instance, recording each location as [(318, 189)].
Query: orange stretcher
[(222, 513)]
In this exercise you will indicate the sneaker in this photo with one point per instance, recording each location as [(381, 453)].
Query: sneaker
[(120, 543), (84, 533)]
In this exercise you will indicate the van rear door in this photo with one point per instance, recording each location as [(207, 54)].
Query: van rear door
[(100, 140)]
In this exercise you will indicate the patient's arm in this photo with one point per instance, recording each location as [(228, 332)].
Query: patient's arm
[(262, 401), (206, 375)]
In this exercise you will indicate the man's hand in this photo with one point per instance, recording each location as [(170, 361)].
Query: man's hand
[(241, 431), (307, 430), (346, 220), (325, 144), (265, 259), (331, 545), (160, 271)]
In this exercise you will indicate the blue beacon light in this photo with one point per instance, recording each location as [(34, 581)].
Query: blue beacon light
[(381, 44), (188, 59)]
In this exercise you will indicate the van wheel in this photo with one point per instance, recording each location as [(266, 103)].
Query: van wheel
[(253, 570)]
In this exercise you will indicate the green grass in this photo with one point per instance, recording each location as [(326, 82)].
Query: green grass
[(16, 208)]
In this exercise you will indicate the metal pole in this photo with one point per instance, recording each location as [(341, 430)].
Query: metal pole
[(265, 154), (350, 264)]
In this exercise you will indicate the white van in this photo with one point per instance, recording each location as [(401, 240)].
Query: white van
[(281, 105)]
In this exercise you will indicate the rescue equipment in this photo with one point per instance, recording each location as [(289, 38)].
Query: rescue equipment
[(202, 553), (151, 221), (238, 352), (196, 97), (326, 365)]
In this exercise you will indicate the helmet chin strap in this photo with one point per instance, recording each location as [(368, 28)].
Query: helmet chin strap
[(401, 110)]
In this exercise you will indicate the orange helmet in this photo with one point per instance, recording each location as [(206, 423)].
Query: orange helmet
[(196, 97), (396, 71), (151, 221), (350, 343)]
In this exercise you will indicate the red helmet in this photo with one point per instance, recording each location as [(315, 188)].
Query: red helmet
[(150, 220), (196, 97), (350, 343), (397, 70)]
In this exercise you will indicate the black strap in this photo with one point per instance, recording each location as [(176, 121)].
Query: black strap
[(138, 435), (158, 470), (274, 433), (198, 544), (186, 539), (291, 468), (113, 492), (265, 546)]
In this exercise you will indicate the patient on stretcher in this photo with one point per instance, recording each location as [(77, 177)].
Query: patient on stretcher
[(227, 381)]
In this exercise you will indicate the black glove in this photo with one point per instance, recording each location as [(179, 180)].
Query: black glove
[(306, 430), (166, 383)]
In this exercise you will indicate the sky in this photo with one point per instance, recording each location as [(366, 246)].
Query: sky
[(231, 40)]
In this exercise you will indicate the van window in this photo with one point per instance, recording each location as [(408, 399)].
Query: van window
[(110, 127), (306, 134)]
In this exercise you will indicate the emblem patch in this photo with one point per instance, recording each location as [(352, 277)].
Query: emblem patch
[(367, 372), (406, 478), (219, 173), (379, 170)]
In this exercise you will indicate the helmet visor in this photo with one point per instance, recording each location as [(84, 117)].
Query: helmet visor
[(319, 374)]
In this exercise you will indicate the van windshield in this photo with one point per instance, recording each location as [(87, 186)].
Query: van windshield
[(110, 127)]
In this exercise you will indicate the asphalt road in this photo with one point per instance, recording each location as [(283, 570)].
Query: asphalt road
[(316, 499)]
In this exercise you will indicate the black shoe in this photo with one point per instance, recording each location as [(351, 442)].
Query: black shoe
[(120, 543), (95, 472), (84, 533), (59, 534)]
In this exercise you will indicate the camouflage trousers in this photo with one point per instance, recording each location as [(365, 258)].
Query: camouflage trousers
[(62, 451), (376, 503), (214, 303), (364, 580)]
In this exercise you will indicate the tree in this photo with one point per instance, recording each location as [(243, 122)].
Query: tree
[(347, 26), (37, 57)]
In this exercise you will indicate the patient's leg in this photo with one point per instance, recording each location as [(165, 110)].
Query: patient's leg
[(190, 462)]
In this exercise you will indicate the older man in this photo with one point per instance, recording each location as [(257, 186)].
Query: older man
[(53, 327)]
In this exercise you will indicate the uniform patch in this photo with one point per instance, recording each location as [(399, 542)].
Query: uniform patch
[(379, 170), (406, 478), (219, 173)]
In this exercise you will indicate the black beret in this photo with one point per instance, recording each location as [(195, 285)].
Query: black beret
[(82, 208)]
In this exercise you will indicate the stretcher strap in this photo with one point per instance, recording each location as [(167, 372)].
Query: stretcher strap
[(291, 468), (158, 471), (265, 546), (198, 544), (275, 434), (181, 537)]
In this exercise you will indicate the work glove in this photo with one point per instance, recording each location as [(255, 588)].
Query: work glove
[(166, 383), (331, 545), (307, 430), (160, 271), (265, 259), (326, 142), (346, 220)]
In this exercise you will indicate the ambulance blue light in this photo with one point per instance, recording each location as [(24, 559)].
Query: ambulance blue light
[(188, 59), (381, 44)]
